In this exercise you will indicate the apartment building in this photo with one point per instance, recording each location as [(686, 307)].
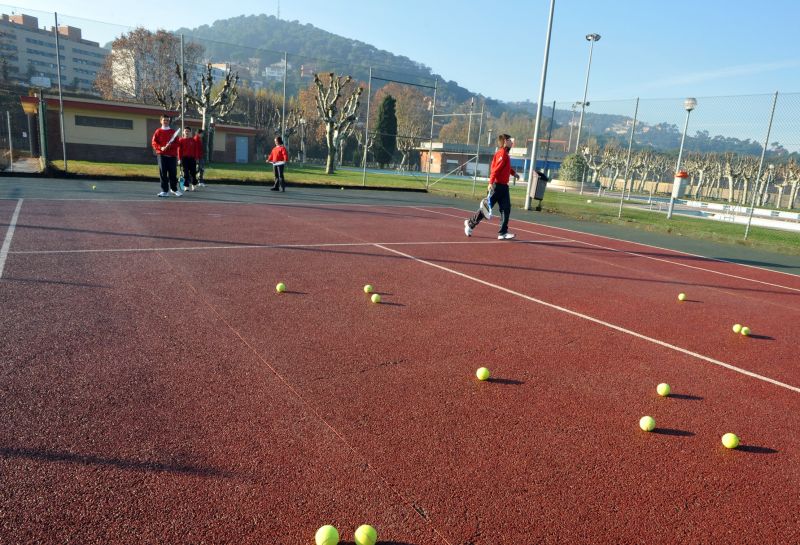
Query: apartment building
[(30, 52)]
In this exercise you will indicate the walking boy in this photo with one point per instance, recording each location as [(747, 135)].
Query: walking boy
[(278, 158), (199, 155), (165, 145), (498, 190), (186, 157)]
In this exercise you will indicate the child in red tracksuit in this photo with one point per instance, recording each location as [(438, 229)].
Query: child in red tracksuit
[(165, 145), (498, 190), (187, 157), (199, 154), (278, 158)]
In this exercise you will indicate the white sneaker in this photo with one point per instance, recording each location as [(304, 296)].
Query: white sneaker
[(178, 193), (163, 194), (506, 236), (487, 212), (202, 184), (467, 228), (191, 188)]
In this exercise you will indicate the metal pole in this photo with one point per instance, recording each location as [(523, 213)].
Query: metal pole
[(283, 111), (678, 165), (366, 130), (478, 150), (761, 166), (585, 92), (539, 105), (430, 142), (30, 133), (628, 159), (549, 137), (183, 89), (469, 123), (60, 96), (10, 144)]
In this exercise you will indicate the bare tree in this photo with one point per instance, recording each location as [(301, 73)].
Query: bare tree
[(140, 68), (201, 99), (339, 118)]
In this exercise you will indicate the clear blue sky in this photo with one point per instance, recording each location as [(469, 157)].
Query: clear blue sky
[(649, 48)]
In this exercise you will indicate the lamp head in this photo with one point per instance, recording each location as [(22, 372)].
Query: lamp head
[(593, 37), (690, 104)]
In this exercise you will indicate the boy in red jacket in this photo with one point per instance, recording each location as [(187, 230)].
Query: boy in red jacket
[(166, 147), (187, 158), (199, 154), (278, 158), (498, 190)]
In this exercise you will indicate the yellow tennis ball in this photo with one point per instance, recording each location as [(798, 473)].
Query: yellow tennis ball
[(368, 288), (730, 440), (746, 331), (483, 373), (681, 297), (737, 328), (647, 423), (365, 535), (281, 287), (94, 187), (376, 298), (663, 389), (327, 535)]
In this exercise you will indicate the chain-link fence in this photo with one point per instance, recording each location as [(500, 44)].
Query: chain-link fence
[(115, 81)]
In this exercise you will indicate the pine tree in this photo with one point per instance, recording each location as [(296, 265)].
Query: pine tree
[(385, 143)]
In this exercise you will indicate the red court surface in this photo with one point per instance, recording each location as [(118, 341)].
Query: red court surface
[(156, 389)]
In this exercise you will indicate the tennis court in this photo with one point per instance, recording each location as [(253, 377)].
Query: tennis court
[(156, 389)]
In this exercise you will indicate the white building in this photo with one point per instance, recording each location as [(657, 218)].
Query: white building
[(30, 51)]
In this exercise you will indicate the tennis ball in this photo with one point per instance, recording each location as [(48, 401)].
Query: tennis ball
[(483, 373), (376, 297), (589, 201), (365, 535), (663, 389), (327, 535), (737, 328), (681, 297), (94, 187), (730, 440), (647, 423), (281, 287), (746, 331), (368, 288)]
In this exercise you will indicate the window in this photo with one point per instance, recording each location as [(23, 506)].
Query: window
[(103, 122), (51, 45), (88, 53)]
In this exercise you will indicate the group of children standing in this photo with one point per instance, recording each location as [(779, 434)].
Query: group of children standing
[(187, 151), (172, 149)]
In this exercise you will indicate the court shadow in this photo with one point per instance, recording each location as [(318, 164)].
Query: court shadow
[(507, 381), (57, 282), (762, 337), (390, 304), (673, 432), (752, 449), (295, 292), (687, 397), (379, 542), (692, 301), (119, 463)]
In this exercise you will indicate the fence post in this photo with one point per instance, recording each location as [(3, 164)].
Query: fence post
[(628, 159), (10, 144), (60, 96), (760, 166), (366, 131), (430, 142), (478, 150)]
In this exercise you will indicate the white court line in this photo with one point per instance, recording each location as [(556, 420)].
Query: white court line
[(664, 260), (10, 233), (248, 203), (245, 247), (600, 322)]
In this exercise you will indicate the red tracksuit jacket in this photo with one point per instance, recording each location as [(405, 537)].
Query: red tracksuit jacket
[(186, 148), (198, 147), (501, 167), (278, 154), (160, 138)]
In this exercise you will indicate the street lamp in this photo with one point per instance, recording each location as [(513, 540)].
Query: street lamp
[(302, 140), (489, 141), (689, 104), (591, 38)]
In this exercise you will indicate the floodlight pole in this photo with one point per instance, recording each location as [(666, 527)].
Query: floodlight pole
[(689, 104), (478, 149), (539, 106), (469, 123), (183, 90), (628, 159), (10, 144), (283, 110), (60, 96), (430, 142), (591, 38), (366, 131), (761, 166)]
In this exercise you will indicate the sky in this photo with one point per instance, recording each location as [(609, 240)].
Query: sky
[(648, 48)]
